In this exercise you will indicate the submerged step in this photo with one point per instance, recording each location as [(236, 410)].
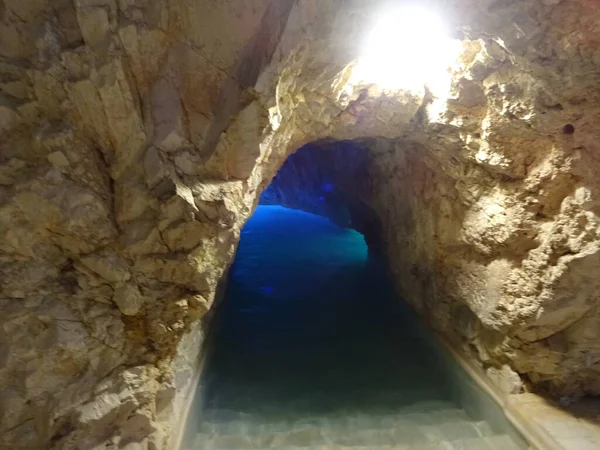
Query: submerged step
[(501, 442), (421, 413), (453, 420), (409, 400), (390, 432), (313, 438)]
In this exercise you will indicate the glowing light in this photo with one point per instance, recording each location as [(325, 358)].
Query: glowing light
[(408, 49)]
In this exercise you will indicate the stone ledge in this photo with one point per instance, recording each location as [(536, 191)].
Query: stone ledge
[(515, 407)]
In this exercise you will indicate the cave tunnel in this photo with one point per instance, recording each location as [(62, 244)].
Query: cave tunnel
[(311, 346), (446, 172)]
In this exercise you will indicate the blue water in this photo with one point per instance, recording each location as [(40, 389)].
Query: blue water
[(311, 348), (291, 253), (307, 312)]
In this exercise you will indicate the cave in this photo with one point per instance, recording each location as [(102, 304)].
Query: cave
[(137, 140)]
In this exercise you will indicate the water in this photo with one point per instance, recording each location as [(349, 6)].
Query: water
[(312, 349)]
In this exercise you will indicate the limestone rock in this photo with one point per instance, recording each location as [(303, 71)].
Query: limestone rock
[(505, 379), (9, 118), (129, 299), (158, 176), (137, 136), (94, 23), (108, 265), (58, 159)]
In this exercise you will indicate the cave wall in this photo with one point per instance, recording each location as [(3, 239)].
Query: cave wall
[(494, 234), (136, 138), (107, 255), (488, 271)]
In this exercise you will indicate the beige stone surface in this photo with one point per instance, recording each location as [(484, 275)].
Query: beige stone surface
[(572, 428), (136, 136)]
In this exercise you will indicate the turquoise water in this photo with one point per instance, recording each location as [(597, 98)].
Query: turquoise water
[(310, 336), (306, 310)]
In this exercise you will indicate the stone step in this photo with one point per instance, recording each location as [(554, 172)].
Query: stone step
[(450, 431), (299, 440), (498, 442), (308, 434), (502, 442), (307, 406), (304, 402), (318, 447), (432, 424), (294, 392), (427, 413), (484, 428)]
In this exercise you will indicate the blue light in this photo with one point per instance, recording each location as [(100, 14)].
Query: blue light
[(321, 198), (328, 187), (267, 289)]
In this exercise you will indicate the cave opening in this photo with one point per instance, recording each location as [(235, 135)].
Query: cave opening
[(310, 344)]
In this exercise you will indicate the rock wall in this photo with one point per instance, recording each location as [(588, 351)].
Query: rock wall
[(488, 203), (136, 137), (111, 246)]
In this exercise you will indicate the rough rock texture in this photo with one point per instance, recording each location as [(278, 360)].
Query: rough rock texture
[(136, 137)]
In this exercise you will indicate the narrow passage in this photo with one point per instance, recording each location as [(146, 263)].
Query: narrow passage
[(312, 349)]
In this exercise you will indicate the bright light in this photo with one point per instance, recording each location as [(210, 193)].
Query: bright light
[(410, 47)]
